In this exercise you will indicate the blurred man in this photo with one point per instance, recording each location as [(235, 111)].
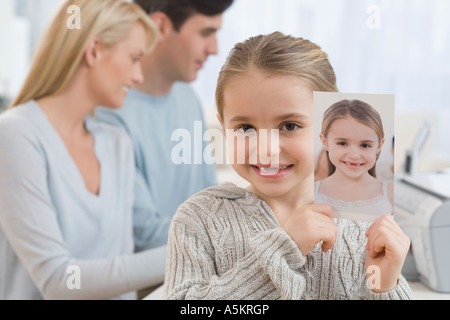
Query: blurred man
[(164, 103)]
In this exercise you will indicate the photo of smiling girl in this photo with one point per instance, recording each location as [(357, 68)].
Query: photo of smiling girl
[(352, 135)]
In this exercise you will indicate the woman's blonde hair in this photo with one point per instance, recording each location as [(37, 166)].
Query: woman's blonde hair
[(358, 110), (278, 54), (61, 49)]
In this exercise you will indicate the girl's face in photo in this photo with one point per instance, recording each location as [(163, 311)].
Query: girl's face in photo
[(352, 147), (255, 102)]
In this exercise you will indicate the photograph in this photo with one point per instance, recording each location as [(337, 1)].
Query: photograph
[(351, 133)]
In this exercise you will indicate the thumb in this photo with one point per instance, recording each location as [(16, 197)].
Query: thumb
[(327, 245)]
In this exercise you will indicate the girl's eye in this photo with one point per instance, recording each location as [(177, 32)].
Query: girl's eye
[(342, 143), (136, 58), (290, 126), (366, 145), (245, 129)]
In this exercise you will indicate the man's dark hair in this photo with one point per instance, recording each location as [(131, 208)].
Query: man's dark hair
[(180, 10)]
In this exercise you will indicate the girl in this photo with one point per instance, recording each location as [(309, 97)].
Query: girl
[(270, 241), (352, 135), (66, 181)]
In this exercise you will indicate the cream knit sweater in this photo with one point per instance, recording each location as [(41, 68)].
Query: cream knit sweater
[(225, 243)]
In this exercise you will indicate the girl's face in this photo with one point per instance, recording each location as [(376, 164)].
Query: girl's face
[(352, 147), (257, 105), (118, 69)]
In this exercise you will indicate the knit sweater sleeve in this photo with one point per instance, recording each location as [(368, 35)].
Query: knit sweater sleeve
[(265, 271), (401, 292)]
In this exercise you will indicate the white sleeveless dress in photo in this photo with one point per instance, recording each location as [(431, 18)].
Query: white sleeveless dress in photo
[(362, 210)]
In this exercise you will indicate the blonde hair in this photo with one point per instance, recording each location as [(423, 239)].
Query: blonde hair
[(278, 54), (360, 111), (61, 50)]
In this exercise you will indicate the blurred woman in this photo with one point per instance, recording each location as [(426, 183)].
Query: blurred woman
[(66, 181)]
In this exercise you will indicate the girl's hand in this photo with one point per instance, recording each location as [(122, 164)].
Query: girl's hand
[(387, 247), (310, 225)]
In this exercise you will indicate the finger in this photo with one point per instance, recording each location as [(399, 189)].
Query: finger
[(378, 229), (371, 227), (369, 245), (329, 235), (386, 225), (375, 246), (390, 244), (384, 239), (379, 245), (386, 222), (323, 208), (392, 224), (327, 245)]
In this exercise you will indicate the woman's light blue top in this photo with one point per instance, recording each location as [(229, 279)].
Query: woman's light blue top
[(57, 239)]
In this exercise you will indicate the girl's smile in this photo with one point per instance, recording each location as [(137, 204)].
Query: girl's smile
[(271, 172), (353, 167)]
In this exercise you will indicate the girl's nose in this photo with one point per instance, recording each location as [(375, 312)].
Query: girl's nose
[(269, 146), (354, 153)]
